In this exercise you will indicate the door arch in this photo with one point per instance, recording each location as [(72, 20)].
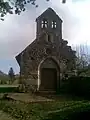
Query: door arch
[(49, 75)]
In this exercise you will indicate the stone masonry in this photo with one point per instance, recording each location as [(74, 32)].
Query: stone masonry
[(48, 45)]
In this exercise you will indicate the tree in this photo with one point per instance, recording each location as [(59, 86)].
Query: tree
[(83, 59), (82, 56), (15, 6), (11, 75)]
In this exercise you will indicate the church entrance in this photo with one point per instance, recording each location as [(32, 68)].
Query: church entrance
[(49, 78), (49, 75)]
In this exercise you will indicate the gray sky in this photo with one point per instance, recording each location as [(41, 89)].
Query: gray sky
[(16, 32)]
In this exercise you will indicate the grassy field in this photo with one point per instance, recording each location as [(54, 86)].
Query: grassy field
[(5, 116), (37, 111), (31, 109), (8, 88)]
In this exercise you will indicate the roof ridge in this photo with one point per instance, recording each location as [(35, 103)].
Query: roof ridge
[(52, 10)]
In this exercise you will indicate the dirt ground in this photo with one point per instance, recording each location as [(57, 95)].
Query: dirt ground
[(26, 97)]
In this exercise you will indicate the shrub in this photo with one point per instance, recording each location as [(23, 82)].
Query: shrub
[(79, 86)]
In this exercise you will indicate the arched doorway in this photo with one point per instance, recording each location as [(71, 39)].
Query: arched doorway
[(49, 75)]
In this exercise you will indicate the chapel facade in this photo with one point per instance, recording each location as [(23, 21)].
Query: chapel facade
[(48, 57)]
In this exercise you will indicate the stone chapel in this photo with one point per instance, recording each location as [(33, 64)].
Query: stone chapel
[(48, 57)]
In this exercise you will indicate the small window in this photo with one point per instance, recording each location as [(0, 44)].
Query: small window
[(44, 23), (54, 24), (49, 38)]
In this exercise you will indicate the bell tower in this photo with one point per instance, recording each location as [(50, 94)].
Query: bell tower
[(50, 23)]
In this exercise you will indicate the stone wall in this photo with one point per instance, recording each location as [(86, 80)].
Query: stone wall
[(35, 53), (49, 15), (48, 43)]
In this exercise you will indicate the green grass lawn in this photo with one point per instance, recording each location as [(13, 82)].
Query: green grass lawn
[(5, 116), (8, 88), (36, 111), (22, 110), (6, 85)]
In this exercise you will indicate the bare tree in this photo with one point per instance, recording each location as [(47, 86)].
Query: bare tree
[(82, 57), (82, 61)]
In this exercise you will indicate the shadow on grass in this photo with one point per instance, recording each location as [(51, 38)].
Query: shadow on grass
[(61, 97)]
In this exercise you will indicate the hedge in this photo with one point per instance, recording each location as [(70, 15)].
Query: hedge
[(79, 86)]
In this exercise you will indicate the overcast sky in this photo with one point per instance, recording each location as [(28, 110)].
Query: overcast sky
[(16, 32)]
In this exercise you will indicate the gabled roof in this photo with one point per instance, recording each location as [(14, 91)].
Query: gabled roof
[(30, 46), (47, 11)]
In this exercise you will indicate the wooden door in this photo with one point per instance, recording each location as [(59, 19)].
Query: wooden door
[(48, 78)]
